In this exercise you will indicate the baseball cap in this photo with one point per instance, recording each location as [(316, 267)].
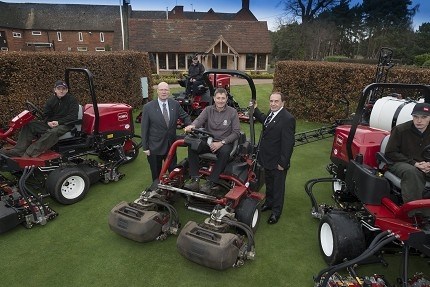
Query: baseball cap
[(422, 109), (60, 83)]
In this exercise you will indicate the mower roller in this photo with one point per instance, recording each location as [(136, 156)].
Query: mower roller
[(226, 237), (369, 213), (101, 141)]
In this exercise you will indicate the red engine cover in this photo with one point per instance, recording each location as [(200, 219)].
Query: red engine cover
[(113, 118), (222, 80), (367, 141)]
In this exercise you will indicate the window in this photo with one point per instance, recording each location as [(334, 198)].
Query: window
[(36, 33), (102, 37), (39, 44), (81, 37), (172, 61), (100, 49), (181, 61), (16, 35), (261, 62), (162, 61), (4, 49), (82, 49), (59, 38), (250, 61)]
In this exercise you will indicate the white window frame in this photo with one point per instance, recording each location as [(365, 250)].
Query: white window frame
[(100, 49), (59, 37), (80, 36), (36, 33), (102, 37), (82, 49), (16, 35), (4, 49)]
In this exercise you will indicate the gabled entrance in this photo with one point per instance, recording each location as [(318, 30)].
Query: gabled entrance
[(223, 55)]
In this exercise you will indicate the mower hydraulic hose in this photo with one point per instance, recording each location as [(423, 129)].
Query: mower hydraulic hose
[(245, 228), (172, 211), (28, 190), (380, 237), (21, 187), (308, 188), (369, 252)]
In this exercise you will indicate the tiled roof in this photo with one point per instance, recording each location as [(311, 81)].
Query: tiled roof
[(179, 35), (58, 16)]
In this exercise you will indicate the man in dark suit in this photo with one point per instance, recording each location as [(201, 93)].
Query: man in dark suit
[(275, 150), (159, 128)]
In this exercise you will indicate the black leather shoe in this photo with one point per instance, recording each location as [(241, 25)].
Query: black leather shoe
[(207, 188), (265, 207), (193, 184), (273, 219)]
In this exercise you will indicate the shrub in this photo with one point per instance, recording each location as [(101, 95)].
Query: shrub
[(421, 59)]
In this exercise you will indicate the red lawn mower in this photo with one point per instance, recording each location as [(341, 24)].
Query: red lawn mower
[(102, 140), (369, 214), (225, 238)]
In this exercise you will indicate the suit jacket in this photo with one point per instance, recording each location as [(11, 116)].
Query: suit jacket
[(157, 137), (277, 139)]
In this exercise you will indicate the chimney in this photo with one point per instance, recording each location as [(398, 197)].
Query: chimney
[(245, 4)]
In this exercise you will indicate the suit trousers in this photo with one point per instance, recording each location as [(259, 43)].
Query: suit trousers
[(413, 180), (275, 189), (156, 163), (222, 154), (48, 137)]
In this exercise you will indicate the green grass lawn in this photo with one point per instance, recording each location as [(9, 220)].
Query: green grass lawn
[(79, 249)]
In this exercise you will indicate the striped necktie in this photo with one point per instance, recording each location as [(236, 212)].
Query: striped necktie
[(267, 121), (165, 114)]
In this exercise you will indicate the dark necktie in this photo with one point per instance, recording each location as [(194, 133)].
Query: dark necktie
[(165, 114), (267, 121)]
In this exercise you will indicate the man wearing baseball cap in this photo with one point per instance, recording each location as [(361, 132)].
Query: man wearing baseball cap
[(405, 148), (59, 116)]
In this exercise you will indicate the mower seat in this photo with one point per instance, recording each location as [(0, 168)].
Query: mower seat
[(76, 128), (212, 157), (384, 162)]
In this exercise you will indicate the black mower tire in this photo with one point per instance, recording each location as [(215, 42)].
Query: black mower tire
[(340, 237), (68, 185), (249, 212)]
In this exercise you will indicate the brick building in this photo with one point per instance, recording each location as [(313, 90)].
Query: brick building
[(222, 40)]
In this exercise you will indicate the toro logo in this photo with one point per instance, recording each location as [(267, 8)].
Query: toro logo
[(122, 116)]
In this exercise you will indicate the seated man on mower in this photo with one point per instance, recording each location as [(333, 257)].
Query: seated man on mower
[(405, 148), (195, 76), (222, 122), (60, 114)]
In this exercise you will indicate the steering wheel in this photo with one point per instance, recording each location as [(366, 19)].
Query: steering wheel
[(426, 153), (34, 110), (200, 133)]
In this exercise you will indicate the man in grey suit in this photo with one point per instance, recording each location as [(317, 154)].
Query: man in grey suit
[(159, 128)]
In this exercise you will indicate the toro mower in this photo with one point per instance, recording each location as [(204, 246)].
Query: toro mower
[(369, 213), (225, 238), (101, 141)]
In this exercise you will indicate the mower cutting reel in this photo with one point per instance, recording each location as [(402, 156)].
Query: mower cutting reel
[(226, 237)]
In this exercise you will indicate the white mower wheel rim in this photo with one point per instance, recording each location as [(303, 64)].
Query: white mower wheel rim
[(72, 187), (255, 218), (326, 238)]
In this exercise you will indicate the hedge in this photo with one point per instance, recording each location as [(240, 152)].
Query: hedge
[(315, 89), (31, 76)]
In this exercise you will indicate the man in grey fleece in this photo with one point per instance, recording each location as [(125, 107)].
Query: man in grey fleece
[(223, 122)]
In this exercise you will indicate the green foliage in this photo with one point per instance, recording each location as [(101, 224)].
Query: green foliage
[(426, 64), (421, 59)]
